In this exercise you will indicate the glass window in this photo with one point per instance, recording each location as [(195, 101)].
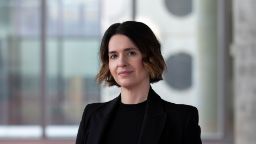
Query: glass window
[(72, 47), (19, 69), (73, 18), (71, 69), (73, 29)]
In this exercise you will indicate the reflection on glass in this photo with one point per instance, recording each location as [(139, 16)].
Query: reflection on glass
[(74, 86), (71, 65), (73, 18), (72, 47), (19, 68)]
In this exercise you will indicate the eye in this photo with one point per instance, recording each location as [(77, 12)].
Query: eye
[(112, 56), (132, 53)]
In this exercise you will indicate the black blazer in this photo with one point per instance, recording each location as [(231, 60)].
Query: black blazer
[(164, 122)]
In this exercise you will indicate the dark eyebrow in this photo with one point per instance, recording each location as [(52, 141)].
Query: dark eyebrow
[(111, 52), (126, 49)]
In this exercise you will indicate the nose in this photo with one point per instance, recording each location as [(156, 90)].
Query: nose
[(122, 61)]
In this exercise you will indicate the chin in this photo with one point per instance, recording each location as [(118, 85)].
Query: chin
[(125, 84)]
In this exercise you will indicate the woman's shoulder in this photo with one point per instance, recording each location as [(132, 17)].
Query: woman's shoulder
[(93, 107), (180, 108)]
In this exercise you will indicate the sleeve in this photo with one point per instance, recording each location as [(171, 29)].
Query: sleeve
[(193, 130), (82, 130)]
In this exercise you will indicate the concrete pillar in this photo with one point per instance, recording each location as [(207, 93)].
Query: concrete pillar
[(244, 52)]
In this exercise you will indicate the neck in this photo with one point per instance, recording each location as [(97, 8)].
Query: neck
[(135, 95)]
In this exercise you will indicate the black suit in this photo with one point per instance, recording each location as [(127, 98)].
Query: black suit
[(164, 122)]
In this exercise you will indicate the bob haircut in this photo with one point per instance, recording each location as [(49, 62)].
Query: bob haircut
[(143, 37)]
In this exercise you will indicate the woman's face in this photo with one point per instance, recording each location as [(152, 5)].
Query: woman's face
[(125, 62)]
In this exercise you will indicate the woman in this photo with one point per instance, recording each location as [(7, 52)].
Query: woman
[(131, 59)]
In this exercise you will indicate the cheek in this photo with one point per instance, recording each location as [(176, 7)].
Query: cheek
[(141, 66), (111, 68)]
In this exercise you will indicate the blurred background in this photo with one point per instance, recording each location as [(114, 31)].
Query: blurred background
[(49, 60)]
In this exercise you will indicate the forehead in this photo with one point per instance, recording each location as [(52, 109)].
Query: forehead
[(120, 42)]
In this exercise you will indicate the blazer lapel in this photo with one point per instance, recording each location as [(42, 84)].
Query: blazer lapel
[(154, 120), (100, 121)]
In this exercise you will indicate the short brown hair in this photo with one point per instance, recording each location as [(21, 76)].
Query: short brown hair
[(143, 37)]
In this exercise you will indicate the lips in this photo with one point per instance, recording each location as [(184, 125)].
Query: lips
[(124, 73)]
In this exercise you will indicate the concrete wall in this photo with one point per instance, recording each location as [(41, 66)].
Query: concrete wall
[(244, 52)]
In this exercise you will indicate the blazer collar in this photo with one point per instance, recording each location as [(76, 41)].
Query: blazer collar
[(154, 120), (152, 126), (100, 120)]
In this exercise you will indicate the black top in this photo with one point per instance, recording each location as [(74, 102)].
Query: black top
[(125, 126)]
